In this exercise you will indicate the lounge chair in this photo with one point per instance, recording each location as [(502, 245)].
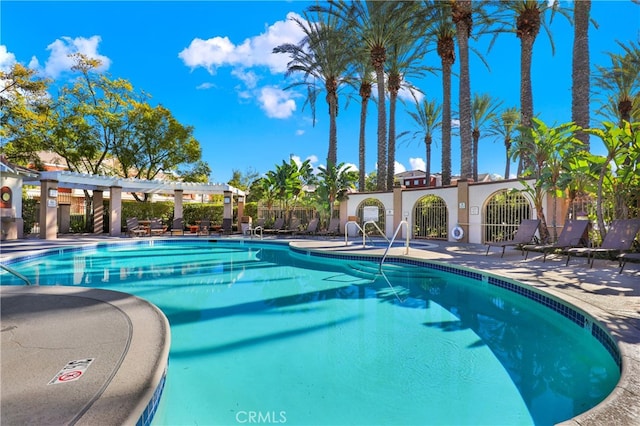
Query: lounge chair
[(333, 228), (204, 227), (177, 227), (575, 233), (277, 226), (312, 227), (156, 227), (524, 235), (618, 239), (134, 228), (624, 257), (292, 229)]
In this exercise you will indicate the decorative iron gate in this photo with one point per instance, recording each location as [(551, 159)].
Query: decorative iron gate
[(430, 218), (503, 213)]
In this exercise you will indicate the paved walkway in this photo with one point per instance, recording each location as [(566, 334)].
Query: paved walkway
[(610, 297)]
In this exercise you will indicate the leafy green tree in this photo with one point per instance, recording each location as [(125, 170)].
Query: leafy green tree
[(153, 142), (195, 172), (24, 114), (243, 180), (618, 171), (323, 55), (545, 149), (289, 180), (334, 183), (427, 116), (483, 110)]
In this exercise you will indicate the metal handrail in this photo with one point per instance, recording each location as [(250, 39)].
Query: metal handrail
[(384, 256), (16, 273), (361, 228)]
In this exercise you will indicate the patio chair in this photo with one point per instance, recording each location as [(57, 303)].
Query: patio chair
[(156, 227), (332, 229), (292, 229), (524, 235), (624, 257), (134, 228), (619, 239), (312, 227), (277, 226), (575, 233), (204, 227), (177, 226)]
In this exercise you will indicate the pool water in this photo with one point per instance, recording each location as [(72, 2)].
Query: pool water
[(263, 335)]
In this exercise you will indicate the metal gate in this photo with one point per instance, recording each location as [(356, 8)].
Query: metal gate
[(430, 218), (503, 213)]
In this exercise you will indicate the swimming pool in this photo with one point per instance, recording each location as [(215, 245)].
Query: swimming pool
[(263, 332)]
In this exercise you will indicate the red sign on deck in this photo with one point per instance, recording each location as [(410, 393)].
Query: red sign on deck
[(72, 371)]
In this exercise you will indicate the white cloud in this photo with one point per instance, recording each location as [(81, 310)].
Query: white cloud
[(254, 51), (276, 103), (417, 164), (59, 60), (350, 166), (399, 168), (205, 86), (455, 123), (246, 58), (7, 59), (299, 132)]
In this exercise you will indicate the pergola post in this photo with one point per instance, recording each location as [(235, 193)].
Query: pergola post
[(227, 211), (177, 204), (49, 209), (115, 211), (98, 211)]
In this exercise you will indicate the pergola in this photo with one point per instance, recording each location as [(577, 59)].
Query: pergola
[(50, 182)]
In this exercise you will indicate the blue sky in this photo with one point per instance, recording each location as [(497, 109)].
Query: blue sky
[(210, 63)]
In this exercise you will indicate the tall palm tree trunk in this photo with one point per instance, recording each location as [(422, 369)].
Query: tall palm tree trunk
[(446, 51), (462, 17), (427, 143), (364, 94), (394, 88), (332, 100), (382, 129), (581, 74)]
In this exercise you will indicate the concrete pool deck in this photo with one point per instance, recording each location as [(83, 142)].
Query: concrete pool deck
[(611, 298)]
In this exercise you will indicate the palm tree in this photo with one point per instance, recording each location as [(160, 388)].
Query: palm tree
[(323, 55), (619, 84), (483, 110), (376, 24), (580, 73), (363, 82), (444, 33), (405, 56), (528, 16), (462, 15), (428, 117), (334, 182), (505, 126)]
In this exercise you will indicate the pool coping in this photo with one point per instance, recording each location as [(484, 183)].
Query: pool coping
[(621, 407)]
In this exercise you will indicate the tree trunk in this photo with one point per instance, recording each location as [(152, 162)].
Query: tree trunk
[(581, 69), (391, 145), (361, 144), (463, 29), (446, 123), (382, 132)]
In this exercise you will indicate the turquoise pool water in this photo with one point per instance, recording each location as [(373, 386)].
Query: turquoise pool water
[(264, 335)]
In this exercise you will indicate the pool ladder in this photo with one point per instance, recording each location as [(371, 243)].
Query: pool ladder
[(384, 256), (16, 273)]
